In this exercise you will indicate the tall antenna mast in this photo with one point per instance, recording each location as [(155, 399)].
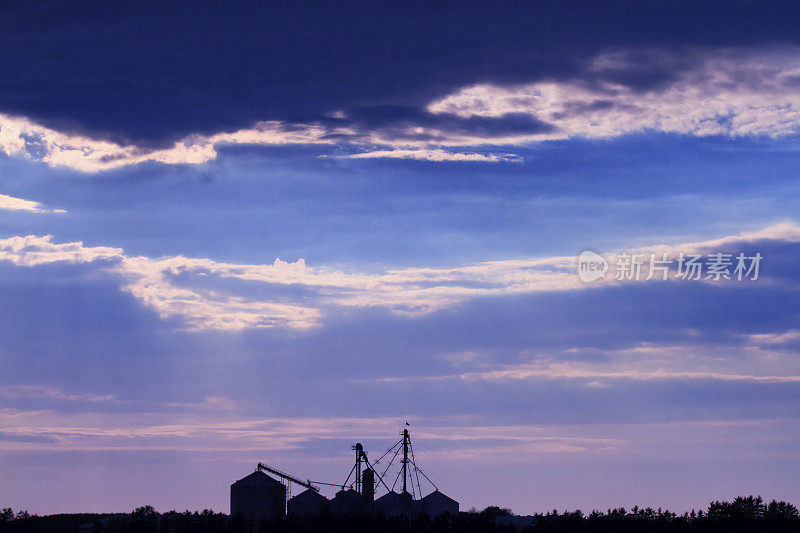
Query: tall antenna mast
[(406, 438)]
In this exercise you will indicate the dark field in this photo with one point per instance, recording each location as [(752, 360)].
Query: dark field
[(748, 514)]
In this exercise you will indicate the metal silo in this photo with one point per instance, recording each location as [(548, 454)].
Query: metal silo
[(307, 503), (436, 503), (258, 496), (368, 485), (346, 502)]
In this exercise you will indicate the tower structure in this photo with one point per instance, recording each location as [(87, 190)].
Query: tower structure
[(406, 440), (360, 457)]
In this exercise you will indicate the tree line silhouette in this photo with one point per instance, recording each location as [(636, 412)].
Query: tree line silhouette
[(750, 514)]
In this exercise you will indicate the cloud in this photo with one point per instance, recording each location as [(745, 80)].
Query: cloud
[(195, 431), (727, 92), (585, 372), (465, 437), (213, 403), (198, 292), (732, 92), (775, 338), (10, 203), (434, 155), (40, 392), (440, 440), (682, 359), (149, 281), (158, 283), (22, 137)]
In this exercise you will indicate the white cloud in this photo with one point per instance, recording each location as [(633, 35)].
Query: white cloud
[(406, 291), (430, 154), (149, 281), (580, 371), (728, 92), (187, 288), (595, 374), (10, 203), (22, 137), (774, 338)]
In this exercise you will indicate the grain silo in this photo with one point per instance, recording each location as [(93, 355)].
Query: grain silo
[(394, 504), (258, 497), (307, 503), (436, 503), (368, 486), (368, 490), (347, 502)]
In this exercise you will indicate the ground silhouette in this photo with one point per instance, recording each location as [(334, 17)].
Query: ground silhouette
[(744, 514)]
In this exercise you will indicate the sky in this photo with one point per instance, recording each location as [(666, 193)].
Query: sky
[(264, 232)]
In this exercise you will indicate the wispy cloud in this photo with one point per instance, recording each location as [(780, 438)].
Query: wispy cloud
[(583, 372), (440, 441), (188, 288), (211, 403), (194, 431), (47, 430), (10, 203), (648, 362), (41, 392), (429, 154)]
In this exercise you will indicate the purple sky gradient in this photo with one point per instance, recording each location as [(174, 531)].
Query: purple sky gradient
[(211, 257)]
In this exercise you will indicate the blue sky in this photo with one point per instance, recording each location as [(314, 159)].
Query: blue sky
[(264, 234)]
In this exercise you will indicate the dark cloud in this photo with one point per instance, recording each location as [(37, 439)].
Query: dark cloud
[(151, 74)]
